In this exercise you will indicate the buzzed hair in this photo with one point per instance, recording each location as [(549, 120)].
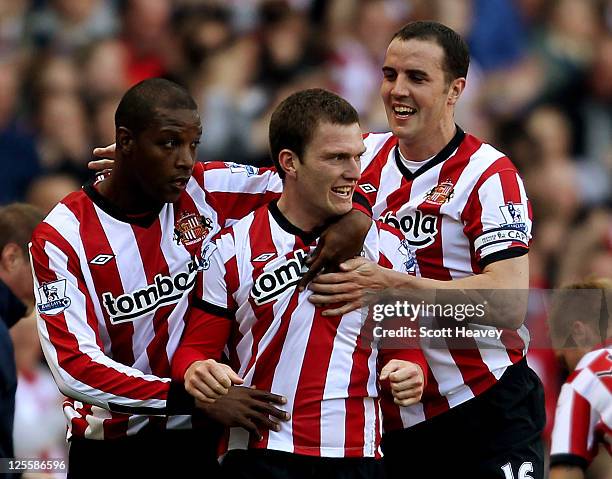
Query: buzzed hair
[(456, 51), (294, 121), (136, 110), (17, 223)]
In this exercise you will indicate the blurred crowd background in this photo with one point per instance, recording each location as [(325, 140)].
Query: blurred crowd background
[(539, 89)]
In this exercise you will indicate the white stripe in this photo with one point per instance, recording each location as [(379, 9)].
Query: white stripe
[(370, 427), (561, 434), (412, 415), (333, 420)]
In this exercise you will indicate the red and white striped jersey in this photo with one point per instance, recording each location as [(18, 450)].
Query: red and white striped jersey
[(463, 209), (584, 411), (282, 343), (112, 291)]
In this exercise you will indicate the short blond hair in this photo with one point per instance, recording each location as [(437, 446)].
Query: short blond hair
[(587, 301)]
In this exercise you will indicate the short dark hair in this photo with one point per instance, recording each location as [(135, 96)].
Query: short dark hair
[(136, 110), (17, 223), (456, 51), (294, 121)]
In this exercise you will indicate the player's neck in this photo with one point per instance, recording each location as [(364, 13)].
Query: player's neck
[(298, 213), (121, 191), (426, 146)]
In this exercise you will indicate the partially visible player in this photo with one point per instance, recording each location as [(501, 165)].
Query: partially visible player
[(581, 329), (114, 266), (325, 366)]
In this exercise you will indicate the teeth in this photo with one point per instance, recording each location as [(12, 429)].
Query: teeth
[(342, 190), (404, 110)]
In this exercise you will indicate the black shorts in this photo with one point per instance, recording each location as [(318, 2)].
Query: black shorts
[(171, 453), (494, 435), (267, 464)]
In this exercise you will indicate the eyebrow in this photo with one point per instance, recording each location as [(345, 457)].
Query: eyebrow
[(387, 69), (343, 154)]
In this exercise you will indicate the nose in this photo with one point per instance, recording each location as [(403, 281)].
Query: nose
[(400, 87), (185, 158), (353, 169)]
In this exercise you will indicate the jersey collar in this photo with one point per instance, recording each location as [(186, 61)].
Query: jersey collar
[(145, 220), (439, 158), (308, 237)]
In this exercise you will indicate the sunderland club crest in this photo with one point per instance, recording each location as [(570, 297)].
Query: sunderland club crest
[(191, 228), (440, 194)]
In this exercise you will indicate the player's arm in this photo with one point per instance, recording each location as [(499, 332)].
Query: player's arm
[(561, 471), (68, 329), (500, 248), (197, 359)]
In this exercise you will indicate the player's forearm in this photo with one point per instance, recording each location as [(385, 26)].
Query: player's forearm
[(566, 472), (501, 288)]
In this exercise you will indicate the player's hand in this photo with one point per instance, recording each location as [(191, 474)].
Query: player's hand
[(249, 408), (348, 286), (340, 241), (208, 380), (406, 381), (108, 153)]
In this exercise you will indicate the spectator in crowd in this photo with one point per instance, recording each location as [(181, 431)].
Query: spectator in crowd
[(39, 429), (17, 222)]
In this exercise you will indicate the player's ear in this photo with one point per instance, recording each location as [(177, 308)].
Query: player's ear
[(579, 333), (125, 139), (287, 160), (9, 256), (455, 90)]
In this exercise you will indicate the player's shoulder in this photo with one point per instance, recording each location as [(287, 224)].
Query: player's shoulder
[(64, 216), (487, 158), (242, 230), (376, 142)]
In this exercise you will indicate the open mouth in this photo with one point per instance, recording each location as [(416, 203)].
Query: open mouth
[(180, 183), (403, 112), (343, 191)]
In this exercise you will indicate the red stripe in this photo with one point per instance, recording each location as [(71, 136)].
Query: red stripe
[(234, 205), (354, 426), (581, 413), (106, 278), (149, 244), (471, 217), (433, 402)]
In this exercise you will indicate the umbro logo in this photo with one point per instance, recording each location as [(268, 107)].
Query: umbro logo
[(368, 188), (102, 259), (262, 258)]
